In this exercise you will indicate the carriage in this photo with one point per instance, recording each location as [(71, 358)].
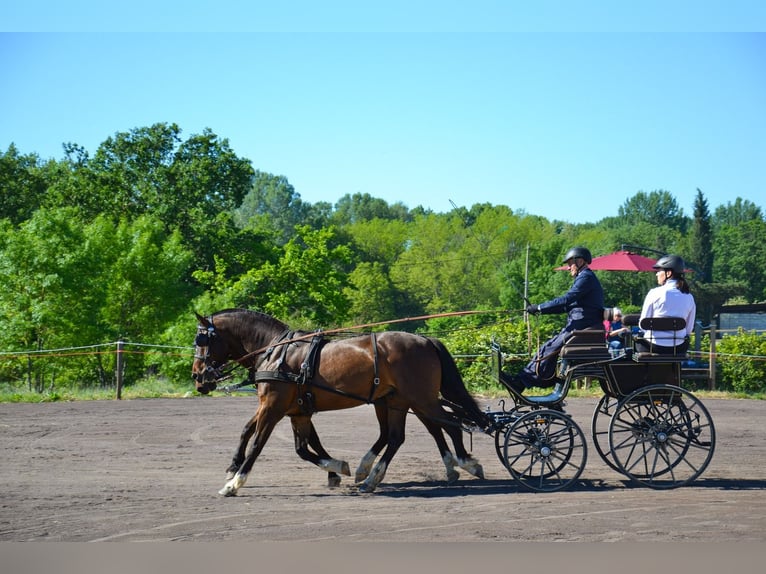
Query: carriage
[(645, 426)]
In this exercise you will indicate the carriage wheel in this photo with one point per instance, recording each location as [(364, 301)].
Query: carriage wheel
[(500, 443), (661, 436), (504, 422), (599, 429), (545, 450)]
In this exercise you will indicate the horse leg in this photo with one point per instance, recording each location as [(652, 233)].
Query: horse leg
[(463, 458), (306, 436), (447, 457), (365, 465), (264, 422), (239, 454), (397, 417), (381, 412)]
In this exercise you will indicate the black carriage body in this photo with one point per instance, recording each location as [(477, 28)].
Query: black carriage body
[(645, 426)]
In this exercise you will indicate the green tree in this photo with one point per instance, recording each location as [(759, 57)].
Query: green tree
[(656, 208), (699, 256), (739, 250), (733, 214), (306, 285), (273, 207), (22, 185), (371, 295), (192, 186), (700, 253), (71, 283), (143, 287), (352, 208)]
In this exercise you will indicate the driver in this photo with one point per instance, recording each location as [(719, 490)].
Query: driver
[(584, 305)]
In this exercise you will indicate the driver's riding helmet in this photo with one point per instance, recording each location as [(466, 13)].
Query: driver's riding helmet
[(578, 252), (672, 263)]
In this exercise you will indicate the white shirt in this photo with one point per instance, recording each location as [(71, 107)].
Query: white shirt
[(668, 301)]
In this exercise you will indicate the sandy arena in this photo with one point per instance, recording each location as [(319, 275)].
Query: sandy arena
[(150, 470)]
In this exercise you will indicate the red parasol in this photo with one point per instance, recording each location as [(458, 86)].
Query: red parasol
[(620, 261)]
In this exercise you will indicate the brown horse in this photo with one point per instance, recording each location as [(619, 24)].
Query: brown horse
[(299, 374)]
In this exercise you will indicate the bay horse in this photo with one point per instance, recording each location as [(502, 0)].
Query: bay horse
[(299, 373)]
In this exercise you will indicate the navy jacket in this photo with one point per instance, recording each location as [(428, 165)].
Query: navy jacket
[(584, 302)]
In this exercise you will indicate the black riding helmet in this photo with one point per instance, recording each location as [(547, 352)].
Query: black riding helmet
[(672, 263), (578, 252)]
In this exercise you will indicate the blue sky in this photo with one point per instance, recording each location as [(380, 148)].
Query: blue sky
[(426, 111)]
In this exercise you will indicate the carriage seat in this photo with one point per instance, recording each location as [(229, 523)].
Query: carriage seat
[(585, 345), (662, 324)]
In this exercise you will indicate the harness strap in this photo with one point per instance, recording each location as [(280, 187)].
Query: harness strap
[(304, 378), (376, 378)]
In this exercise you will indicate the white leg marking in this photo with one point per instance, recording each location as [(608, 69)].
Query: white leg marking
[(231, 487), (365, 466), (333, 465), (472, 466), (449, 464), (377, 474)]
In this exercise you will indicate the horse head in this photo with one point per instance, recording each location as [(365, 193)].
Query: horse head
[(229, 338), (210, 355)]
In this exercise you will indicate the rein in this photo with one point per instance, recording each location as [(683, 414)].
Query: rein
[(363, 326), (255, 376)]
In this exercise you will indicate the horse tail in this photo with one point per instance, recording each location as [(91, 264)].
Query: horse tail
[(453, 388)]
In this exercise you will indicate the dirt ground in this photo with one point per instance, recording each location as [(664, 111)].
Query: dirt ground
[(150, 470)]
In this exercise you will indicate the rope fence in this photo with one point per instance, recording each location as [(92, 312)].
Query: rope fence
[(122, 348)]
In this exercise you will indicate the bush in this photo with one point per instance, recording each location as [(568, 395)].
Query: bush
[(471, 347), (742, 361)]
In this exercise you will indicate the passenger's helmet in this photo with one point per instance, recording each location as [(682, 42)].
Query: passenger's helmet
[(578, 252), (672, 263)]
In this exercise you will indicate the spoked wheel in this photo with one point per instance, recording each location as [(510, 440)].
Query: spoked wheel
[(503, 422), (661, 436), (500, 442), (599, 428), (545, 450)]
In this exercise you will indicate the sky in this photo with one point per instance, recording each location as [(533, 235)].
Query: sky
[(565, 116)]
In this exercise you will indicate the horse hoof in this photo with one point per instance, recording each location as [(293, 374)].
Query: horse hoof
[(333, 481), (345, 470), (452, 477), (367, 488), (227, 491)]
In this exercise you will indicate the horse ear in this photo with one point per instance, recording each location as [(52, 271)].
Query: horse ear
[(202, 320)]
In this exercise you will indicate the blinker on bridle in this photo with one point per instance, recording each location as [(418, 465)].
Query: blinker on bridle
[(213, 372)]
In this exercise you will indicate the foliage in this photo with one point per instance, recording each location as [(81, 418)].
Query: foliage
[(70, 283), (131, 240), (272, 207), (744, 369), (656, 208), (470, 344), (739, 251)]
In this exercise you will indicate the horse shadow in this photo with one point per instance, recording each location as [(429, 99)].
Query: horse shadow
[(440, 489)]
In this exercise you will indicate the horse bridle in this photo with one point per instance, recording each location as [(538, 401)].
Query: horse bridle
[(213, 373)]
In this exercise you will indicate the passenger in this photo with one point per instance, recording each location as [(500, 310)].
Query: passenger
[(584, 304), (671, 299), (616, 332)]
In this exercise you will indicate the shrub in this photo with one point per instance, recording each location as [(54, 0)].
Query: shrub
[(742, 361)]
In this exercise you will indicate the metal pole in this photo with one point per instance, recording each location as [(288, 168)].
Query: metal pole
[(120, 345), (526, 298), (711, 373)]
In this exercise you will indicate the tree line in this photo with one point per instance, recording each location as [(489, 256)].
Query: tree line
[(128, 242)]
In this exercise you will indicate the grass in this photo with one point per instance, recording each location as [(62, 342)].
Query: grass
[(144, 389), (152, 388)]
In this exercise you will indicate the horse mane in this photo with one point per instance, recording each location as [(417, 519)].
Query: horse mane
[(262, 317)]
